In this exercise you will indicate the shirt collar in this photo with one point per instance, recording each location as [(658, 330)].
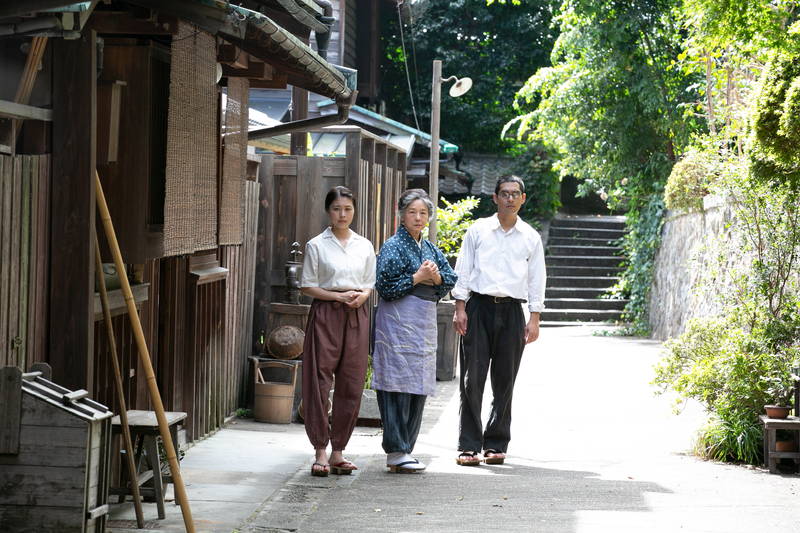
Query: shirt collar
[(328, 234), (496, 223), (405, 235)]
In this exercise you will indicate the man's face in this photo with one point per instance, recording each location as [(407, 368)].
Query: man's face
[(509, 198)]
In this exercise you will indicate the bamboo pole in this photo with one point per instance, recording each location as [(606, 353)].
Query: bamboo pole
[(144, 357), (123, 410), (28, 79)]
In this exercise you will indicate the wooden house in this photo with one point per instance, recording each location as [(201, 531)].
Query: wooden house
[(132, 89)]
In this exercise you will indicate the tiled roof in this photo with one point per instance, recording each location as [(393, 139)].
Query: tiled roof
[(481, 170)]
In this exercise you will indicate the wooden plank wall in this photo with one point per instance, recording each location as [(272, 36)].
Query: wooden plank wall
[(292, 206), (240, 262), (24, 245)]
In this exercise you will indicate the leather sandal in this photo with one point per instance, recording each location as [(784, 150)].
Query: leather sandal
[(322, 471), (343, 469), (468, 458), (493, 457)]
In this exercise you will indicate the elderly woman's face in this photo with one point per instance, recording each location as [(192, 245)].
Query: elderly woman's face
[(415, 217)]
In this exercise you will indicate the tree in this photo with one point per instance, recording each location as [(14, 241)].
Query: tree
[(612, 107), (497, 46)]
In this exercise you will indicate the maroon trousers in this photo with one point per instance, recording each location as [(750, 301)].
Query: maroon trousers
[(336, 344)]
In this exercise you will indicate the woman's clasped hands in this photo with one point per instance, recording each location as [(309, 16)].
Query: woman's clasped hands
[(427, 274)]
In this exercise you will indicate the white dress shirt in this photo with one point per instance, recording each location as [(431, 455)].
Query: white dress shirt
[(331, 266), (502, 263)]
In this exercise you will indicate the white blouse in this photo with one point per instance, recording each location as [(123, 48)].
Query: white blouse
[(331, 266)]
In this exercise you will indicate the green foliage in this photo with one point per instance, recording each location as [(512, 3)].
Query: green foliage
[(640, 245), (733, 373), (688, 182), (452, 223), (542, 183), (733, 436), (498, 46), (775, 141), (244, 413), (611, 107)]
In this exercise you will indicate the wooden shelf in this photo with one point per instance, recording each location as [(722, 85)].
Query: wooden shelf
[(116, 300)]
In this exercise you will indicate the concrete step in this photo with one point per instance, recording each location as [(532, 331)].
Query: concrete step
[(594, 282), (574, 292), (583, 250), (596, 325), (558, 270), (617, 223), (589, 260), (591, 233), (578, 241), (585, 303), (580, 315)]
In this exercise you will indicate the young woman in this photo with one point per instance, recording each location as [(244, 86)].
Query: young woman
[(339, 273), (412, 276)]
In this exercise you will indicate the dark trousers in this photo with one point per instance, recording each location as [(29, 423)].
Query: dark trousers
[(336, 344), (401, 415), (493, 344)]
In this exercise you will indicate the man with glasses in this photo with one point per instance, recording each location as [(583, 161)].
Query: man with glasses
[(500, 267)]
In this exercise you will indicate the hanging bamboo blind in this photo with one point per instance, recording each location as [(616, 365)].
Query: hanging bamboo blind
[(190, 207), (234, 162)]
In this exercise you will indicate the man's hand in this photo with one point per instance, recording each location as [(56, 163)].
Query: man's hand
[(532, 328), (460, 318)]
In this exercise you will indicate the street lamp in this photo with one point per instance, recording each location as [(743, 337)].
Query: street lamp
[(460, 87)]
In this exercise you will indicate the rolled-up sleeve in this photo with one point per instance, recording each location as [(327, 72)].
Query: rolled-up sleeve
[(464, 266), (369, 270), (449, 277), (537, 277), (310, 277)]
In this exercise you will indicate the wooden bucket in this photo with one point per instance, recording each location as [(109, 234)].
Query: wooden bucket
[(273, 399)]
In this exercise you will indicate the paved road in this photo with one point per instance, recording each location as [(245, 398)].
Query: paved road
[(593, 450)]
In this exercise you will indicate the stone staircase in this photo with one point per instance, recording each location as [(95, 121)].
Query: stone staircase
[(582, 263)]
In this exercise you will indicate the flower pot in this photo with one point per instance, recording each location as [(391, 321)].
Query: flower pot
[(777, 411), (785, 446)]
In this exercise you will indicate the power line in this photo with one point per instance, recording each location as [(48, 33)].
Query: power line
[(405, 63)]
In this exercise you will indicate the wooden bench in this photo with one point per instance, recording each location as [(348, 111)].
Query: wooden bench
[(771, 455), (144, 434)]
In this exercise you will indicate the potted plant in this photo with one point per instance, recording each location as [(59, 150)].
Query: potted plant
[(781, 391)]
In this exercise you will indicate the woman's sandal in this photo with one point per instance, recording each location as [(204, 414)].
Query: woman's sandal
[(468, 459), (343, 469), (322, 471), (493, 457)]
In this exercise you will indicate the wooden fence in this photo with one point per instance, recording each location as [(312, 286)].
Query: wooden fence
[(24, 258), (292, 204)]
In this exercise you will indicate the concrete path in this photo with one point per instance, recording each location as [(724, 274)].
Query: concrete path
[(593, 450)]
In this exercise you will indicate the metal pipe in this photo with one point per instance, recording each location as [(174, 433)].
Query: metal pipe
[(323, 38), (309, 123), (28, 26)]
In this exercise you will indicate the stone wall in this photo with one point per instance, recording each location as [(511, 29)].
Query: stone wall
[(689, 246)]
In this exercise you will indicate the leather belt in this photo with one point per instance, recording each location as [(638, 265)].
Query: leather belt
[(497, 299)]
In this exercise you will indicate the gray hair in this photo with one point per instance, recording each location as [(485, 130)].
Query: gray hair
[(410, 196)]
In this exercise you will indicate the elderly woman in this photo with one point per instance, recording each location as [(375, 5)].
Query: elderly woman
[(339, 273), (412, 276)]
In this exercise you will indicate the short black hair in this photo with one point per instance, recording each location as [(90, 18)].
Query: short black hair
[(509, 178), (340, 191)]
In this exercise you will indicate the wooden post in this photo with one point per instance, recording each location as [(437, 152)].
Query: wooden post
[(436, 96), (144, 357), (123, 410), (299, 140), (11, 400), (71, 333)]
